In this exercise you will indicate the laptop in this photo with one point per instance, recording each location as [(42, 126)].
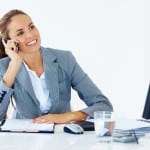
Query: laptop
[(146, 111)]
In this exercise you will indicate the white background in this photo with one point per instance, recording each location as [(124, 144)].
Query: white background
[(109, 38)]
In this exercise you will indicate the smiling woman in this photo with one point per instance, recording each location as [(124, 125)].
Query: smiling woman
[(23, 30), (40, 79)]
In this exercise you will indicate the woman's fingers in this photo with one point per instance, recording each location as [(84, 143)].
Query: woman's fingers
[(10, 45), (3, 41)]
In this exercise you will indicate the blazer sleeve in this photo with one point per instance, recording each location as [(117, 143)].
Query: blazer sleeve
[(87, 90), (5, 94)]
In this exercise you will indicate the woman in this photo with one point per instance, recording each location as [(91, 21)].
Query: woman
[(40, 79)]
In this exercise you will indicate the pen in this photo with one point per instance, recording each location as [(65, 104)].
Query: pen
[(136, 139)]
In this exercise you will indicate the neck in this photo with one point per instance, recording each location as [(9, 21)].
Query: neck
[(34, 62)]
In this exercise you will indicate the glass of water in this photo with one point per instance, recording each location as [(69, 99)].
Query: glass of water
[(104, 124)]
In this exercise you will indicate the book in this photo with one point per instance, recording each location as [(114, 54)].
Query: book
[(25, 126)]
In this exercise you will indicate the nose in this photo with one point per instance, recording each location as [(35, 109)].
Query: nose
[(29, 34)]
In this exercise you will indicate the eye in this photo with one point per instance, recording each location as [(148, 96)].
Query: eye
[(31, 27), (20, 33)]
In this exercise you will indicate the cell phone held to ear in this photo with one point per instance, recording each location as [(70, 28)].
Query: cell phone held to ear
[(7, 39)]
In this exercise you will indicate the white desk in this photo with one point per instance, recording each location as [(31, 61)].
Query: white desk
[(62, 141)]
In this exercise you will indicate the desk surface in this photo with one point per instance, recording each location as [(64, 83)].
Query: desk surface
[(63, 141)]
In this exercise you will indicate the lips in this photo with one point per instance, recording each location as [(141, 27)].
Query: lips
[(32, 43)]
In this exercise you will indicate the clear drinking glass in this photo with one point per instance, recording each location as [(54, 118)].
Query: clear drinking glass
[(104, 123)]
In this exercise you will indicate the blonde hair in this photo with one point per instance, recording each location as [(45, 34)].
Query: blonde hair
[(4, 22)]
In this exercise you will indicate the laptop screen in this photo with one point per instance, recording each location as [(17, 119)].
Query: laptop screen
[(146, 111)]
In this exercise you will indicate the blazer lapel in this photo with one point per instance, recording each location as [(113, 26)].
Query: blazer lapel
[(24, 79), (51, 75)]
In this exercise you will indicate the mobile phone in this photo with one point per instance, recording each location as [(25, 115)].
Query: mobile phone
[(6, 40)]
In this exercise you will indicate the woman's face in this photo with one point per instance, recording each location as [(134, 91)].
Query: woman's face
[(22, 29)]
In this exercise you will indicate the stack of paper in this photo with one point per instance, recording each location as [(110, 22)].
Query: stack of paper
[(129, 130)]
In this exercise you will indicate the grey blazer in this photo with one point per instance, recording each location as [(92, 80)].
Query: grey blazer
[(62, 73)]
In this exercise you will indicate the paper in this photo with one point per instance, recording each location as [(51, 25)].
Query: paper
[(26, 125), (128, 124), (130, 130)]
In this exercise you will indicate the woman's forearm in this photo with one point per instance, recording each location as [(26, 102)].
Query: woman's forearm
[(61, 118), (11, 72)]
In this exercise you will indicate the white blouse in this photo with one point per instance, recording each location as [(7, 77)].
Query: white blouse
[(40, 89)]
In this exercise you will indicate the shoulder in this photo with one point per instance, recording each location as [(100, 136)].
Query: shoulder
[(4, 62), (58, 54), (64, 58)]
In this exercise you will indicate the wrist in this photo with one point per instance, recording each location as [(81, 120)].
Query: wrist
[(16, 60), (15, 63)]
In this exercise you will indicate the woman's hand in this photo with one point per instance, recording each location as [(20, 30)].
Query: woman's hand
[(14, 64), (61, 118), (11, 49)]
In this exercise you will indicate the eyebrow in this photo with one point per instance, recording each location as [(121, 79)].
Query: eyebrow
[(22, 29)]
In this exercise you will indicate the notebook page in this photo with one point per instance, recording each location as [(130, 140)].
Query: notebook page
[(26, 125)]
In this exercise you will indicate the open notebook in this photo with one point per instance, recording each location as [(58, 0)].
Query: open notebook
[(26, 126)]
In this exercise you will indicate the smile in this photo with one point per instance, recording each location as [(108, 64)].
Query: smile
[(32, 43)]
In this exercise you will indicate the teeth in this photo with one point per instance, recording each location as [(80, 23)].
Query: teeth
[(32, 42)]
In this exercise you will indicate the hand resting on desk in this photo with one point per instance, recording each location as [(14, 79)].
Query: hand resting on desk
[(61, 118)]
